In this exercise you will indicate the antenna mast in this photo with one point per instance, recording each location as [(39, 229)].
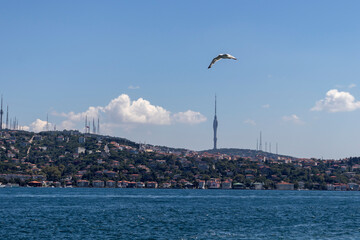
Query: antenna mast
[(7, 116), (1, 114), (98, 128)]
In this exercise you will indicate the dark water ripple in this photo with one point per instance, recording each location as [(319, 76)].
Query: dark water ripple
[(40, 213)]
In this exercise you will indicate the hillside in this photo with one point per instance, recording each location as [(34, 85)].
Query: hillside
[(246, 153), (71, 158)]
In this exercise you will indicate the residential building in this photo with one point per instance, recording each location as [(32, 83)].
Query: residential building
[(98, 183), (285, 186), (82, 183), (110, 184)]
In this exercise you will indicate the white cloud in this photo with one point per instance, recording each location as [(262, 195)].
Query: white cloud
[(92, 112), (292, 118), (138, 111), (336, 101), (266, 106), (25, 128), (352, 85), (250, 121), (190, 117), (39, 125), (67, 124), (126, 113)]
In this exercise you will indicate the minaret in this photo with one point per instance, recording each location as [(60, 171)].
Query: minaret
[(86, 124), (260, 146), (7, 117), (215, 125), (47, 122), (1, 114), (98, 128), (94, 127)]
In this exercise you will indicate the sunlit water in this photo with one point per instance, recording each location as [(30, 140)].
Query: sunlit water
[(50, 213)]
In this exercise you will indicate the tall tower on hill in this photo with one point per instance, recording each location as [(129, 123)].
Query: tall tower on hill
[(1, 114), (215, 125), (7, 117)]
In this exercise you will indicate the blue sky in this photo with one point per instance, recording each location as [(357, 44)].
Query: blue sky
[(141, 66)]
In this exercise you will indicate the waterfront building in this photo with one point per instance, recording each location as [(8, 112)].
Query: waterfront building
[(258, 186), (353, 186), (166, 185), (340, 187), (35, 184), (226, 184), (131, 185), (285, 186), (110, 184), (213, 184), (98, 183), (57, 184), (330, 187), (123, 184), (201, 184), (82, 183), (151, 184)]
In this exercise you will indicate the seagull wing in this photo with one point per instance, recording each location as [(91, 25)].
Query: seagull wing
[(221, 56), (228, 56), (215, 60)]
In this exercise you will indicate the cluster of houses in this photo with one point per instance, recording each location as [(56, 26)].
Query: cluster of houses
[(201, 184), (15, 154)]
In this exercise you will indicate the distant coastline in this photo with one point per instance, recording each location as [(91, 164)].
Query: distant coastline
[(75, 159)]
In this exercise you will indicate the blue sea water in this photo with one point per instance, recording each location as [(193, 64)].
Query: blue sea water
[(79, 213)]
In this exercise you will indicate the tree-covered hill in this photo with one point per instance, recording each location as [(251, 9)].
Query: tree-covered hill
[(69, 158)]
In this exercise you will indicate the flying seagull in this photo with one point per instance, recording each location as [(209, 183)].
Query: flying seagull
[(221, 56)]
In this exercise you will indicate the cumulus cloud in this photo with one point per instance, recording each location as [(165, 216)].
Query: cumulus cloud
[(92, 112), (126, 113), (138, 111), (24, 128), (336, 101), (292, 118), (190, 117), (39, 125), (250, 121)]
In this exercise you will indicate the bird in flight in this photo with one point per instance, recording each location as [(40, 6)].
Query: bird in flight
[(221, 56)]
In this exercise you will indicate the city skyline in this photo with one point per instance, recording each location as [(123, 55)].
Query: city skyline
[(142, 68)]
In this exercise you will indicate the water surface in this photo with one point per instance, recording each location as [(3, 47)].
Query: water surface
[(80, 213)]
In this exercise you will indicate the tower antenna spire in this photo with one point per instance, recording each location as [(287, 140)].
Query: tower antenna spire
[(86, 124), (1, 113), (7, 117), (98, 128), (47, 122), (215, 125), (94, 127)]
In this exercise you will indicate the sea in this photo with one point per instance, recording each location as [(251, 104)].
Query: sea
[(92, 213)]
